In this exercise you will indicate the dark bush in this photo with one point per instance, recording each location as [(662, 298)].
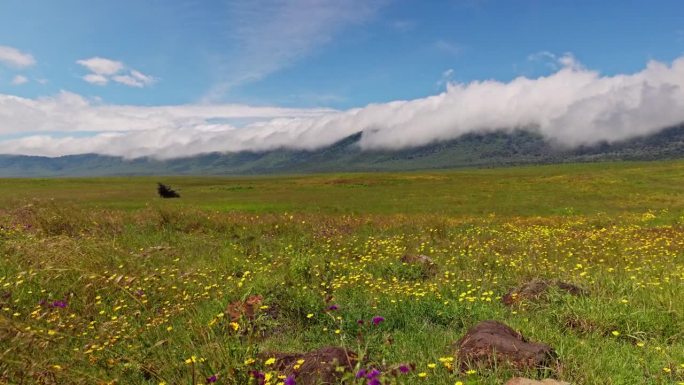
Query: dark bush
[(166, 191)]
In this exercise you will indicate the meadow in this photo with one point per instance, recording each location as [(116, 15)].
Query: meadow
[(102, 282)]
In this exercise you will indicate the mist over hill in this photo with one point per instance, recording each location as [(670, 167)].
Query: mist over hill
[(501, 148)]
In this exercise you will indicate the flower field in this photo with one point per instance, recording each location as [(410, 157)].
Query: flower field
[(101, 282)]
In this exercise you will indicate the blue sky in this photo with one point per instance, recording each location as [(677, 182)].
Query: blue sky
[(393, 50), (306, 54)]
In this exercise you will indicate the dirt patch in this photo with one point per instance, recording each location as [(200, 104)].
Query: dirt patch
[(537, 289), (492, 343), (324, 366), (581, 325)]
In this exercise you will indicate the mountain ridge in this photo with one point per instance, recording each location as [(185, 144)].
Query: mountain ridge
[(498, 148)]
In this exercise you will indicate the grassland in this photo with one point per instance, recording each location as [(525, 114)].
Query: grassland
[(101, 282)]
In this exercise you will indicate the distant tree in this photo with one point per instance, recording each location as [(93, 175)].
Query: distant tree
[(165, 191)]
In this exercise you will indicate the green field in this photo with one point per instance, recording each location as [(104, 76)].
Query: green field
[(102, 282)]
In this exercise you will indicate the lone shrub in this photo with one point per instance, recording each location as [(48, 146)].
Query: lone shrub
[(165, 191)]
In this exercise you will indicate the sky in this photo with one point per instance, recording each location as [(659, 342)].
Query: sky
[(169, 78)]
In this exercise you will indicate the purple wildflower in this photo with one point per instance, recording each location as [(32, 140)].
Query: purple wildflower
[(361, 373), (373, 374), (260, 377), (257, 374), (377, 319), (333, 307), (404, 368), (212, 379), (374, 381), (59, 304), (360, 322), (290, 380)]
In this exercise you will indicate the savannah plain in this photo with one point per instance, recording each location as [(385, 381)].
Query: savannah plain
[(103, 282)]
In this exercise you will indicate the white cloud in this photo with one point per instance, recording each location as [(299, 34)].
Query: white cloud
[(445, 78), (68, 112), (271, 35), (542, 55), (142, 77), (554, 61), (128, 81), (96, 79), (102, 66), (568, 60), (103, 70), (12, 57), (572, 106), (135, 79), (19, 80)]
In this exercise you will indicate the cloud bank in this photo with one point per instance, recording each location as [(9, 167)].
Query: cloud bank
[(572, 106), (103, 70)]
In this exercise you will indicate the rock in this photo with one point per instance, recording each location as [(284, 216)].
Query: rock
[(417, 259), (247, 308), (527, 381), (324, 366), (428, 266), (491, 343), (537, 288)]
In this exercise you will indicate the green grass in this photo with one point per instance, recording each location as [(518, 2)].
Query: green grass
[(147, 281), (540, 190)]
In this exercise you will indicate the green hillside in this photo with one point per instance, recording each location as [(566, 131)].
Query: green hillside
[(473, 150)]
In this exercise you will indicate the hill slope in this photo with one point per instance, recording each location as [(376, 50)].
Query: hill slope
[(473, 150)]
